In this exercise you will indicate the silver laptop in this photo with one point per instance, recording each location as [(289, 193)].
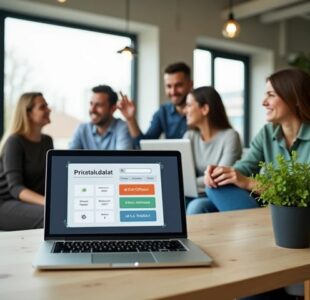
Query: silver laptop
[(115, 209), (184, 146)]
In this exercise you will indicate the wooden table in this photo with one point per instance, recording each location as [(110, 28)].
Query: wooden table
[(241, 243)]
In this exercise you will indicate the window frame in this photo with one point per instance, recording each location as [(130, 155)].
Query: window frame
[(51, 21), (215, 53)]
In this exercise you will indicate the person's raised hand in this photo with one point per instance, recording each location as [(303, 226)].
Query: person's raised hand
[(126, 107)]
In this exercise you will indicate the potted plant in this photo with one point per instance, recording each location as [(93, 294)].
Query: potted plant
[(285, 187)]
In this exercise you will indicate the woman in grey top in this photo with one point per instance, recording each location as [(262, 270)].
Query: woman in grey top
[(22, 165), (212, 137)]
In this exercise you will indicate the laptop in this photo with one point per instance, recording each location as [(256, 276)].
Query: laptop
[(115, 209), (184, 146)]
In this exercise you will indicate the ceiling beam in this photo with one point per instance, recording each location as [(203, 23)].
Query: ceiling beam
[(286, 13), (256, 7)]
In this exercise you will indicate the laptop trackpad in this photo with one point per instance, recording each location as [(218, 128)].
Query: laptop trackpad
[(127, 259)]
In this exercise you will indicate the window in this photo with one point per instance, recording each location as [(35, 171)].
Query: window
[(63, 63), (228, 73)]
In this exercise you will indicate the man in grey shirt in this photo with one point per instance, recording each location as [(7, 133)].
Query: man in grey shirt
[(103, 132)]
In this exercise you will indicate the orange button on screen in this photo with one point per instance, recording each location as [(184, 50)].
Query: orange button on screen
[(136, 189)]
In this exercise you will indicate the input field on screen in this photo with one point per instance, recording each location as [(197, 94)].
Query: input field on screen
[(136, 171)]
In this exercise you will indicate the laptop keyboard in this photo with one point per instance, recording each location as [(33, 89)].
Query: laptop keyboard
[(118, 246)]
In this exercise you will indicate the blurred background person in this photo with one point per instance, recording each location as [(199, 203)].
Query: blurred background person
[(212, 138), (103, 132), (22, 165), (169, 119)]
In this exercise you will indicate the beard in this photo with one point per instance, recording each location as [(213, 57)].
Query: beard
[(103, 121), (181, 101)]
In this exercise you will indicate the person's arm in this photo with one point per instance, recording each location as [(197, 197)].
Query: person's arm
[(216, 176), (200, 179), (13, 154), (76, 142), (240, 173), (30, 196), (123, 138), (200, 182), (133, 127), (155, 129), (232, 149), (128, 110), (248, 165)]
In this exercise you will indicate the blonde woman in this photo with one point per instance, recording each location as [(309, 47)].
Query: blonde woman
[(22, 165)]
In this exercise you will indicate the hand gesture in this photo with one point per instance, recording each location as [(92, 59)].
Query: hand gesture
[(126, 107), (218, 176)]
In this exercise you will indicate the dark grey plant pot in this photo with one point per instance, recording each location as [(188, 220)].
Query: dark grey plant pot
[(291, 226)]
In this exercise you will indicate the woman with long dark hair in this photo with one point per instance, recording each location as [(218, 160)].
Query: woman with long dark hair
[(287, 104), (212, 138)]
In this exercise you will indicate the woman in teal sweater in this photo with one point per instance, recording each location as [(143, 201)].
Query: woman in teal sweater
[(287, 104)]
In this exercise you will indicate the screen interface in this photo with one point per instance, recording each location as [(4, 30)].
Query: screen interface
[(114, 195)]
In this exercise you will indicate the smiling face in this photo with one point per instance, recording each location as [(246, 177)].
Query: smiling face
[(100, 110), (277, 111), (195, 114), (39, 115), (177, 86)]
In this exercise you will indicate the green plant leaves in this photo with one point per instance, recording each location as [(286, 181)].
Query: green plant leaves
[(287, 184)]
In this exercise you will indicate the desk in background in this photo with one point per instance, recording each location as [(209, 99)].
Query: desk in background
[(241, 244)]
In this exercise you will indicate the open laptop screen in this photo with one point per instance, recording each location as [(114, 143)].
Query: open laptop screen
[(114, 193)]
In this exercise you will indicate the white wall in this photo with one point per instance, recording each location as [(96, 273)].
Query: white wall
[(148, 76), (261, 65)]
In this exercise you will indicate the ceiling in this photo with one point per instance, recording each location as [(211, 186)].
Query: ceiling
[(270, 11)]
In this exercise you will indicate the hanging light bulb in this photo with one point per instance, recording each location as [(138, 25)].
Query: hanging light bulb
[(127, 51), (61, 1), (231, 27)]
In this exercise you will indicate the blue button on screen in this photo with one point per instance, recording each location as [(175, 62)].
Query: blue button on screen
[(138, 216)]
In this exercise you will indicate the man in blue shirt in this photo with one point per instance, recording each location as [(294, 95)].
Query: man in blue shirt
[(170, 118), (103, 132)]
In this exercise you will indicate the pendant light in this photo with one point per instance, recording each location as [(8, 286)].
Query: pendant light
[(231, 27), (127, 51)]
